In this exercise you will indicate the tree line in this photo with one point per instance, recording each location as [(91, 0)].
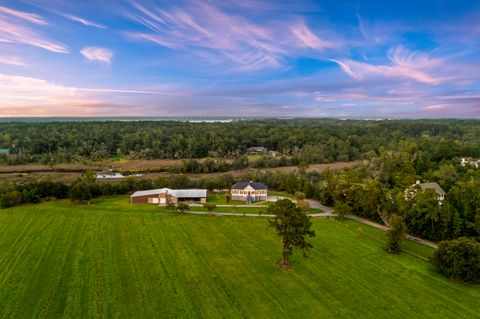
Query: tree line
[(305, 140)]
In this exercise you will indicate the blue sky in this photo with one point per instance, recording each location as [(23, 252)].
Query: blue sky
[(240, 58)]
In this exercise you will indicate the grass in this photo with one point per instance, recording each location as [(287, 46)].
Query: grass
[(219, 199), (114, 260), (279, 193)]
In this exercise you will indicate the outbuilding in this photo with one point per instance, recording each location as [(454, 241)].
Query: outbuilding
[(163, 196)]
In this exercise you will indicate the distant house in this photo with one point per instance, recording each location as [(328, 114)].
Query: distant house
[(4, 151), (256, 150), (411, 191), (163, 196), (273, 153), (108, 175), (470, 161), (249, 191)]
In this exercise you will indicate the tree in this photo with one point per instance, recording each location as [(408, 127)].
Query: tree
[(459, 259), (209, 207), (80, 192), (292, 225), (396, 232), (182, 207), (228, 197), (341, 209), (302, 203)]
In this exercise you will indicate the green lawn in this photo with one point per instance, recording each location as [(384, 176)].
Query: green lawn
[(219, 199), (279, 193), (114, 260)]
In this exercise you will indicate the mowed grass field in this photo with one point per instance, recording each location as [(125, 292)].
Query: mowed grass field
[(114, 260)]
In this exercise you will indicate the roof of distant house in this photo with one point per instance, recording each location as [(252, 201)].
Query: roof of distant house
[(254, 185), (433, 186), (179, 193), (4, 150)]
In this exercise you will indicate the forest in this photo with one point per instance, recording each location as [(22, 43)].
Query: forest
[(299, 140)]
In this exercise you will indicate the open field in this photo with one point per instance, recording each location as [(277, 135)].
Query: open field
[(70, 172), (111, 259)]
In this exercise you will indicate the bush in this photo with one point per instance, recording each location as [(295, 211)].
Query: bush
[(459, 259), (10, 199), (182, 207)]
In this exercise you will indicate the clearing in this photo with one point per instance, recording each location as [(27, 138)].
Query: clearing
[(111, 259)]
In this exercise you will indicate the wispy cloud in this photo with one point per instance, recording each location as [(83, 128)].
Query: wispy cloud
[(11, 60), (14, 29), (82, 20), (102, 55), (219, 37), (308, 39), (404, 64), (31, 17)]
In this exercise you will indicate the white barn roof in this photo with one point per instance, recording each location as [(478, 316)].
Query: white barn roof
[(179, 193), (151, 192)]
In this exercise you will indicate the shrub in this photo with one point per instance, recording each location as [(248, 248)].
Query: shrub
[(182, 207), (10, 199), (459, 259)]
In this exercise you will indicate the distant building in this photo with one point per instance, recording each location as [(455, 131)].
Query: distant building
[(163, 196), (256, 150), (108, 175), (411, 191), (4, 151), (470, 161), (249, 191), (273, 153)]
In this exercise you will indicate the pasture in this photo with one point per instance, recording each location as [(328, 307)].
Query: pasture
[(114, 260)]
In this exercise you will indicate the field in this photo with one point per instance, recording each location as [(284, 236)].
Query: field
[(114, 260), (70, 172)]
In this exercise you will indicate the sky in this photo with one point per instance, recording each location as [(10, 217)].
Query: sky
[(246, 58)]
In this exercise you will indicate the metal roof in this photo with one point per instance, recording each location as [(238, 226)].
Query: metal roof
[(151, 192), (254, 185), (179, 193), (189, 193), (433, 186)]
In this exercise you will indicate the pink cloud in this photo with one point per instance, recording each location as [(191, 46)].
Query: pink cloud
[(83, 21), (306, 38), (11, 60), (97, 54), (13, 30), (30, 17), (246, 45), (405, 64), (435, 107)]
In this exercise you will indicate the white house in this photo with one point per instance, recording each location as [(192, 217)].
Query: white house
[(470, 161), (249, 191), (411, 191)]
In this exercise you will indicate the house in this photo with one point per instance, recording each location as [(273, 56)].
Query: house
[(4, 151), (256, 150), (273, 153), (108, 175), (470, 161), (411, 191), (249, 191), (163, 196)]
